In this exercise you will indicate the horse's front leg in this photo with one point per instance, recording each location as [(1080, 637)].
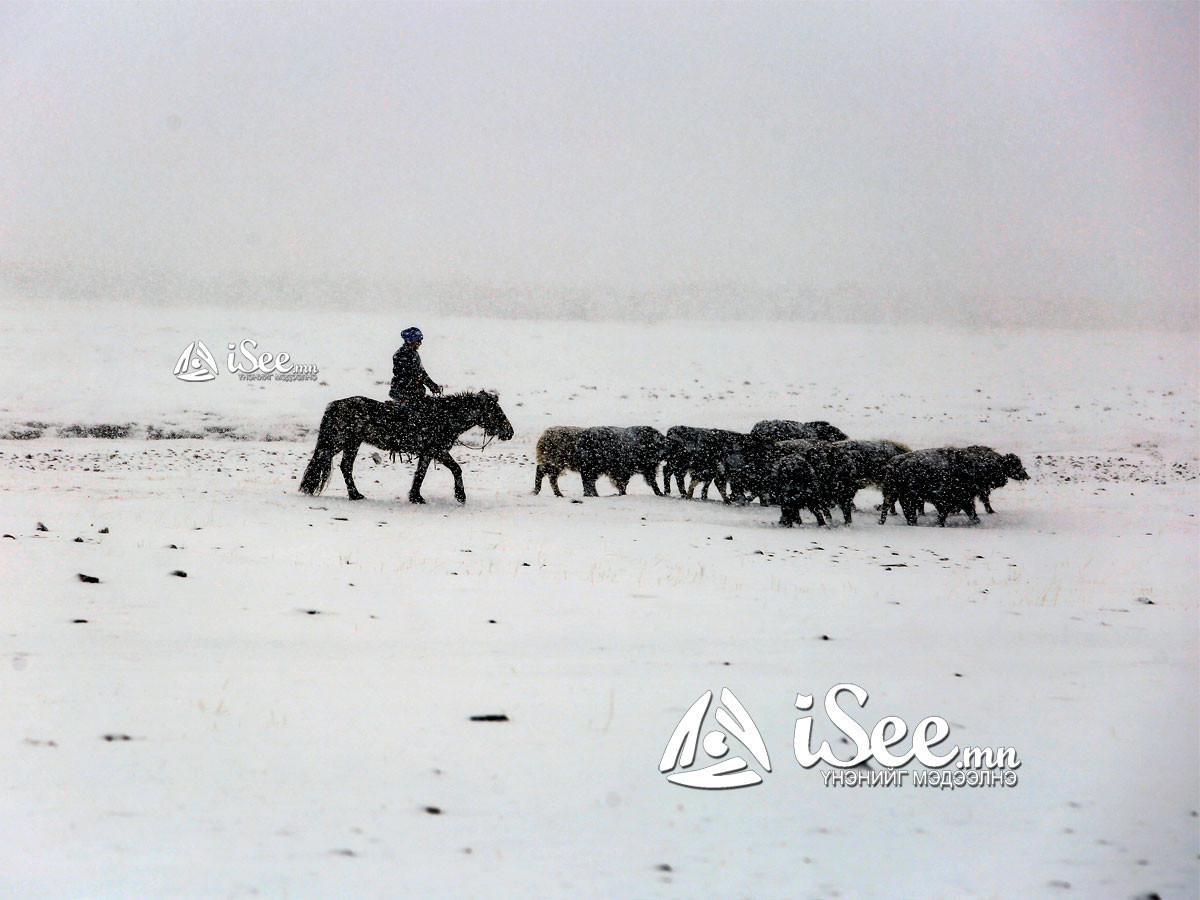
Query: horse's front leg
[(460, 491), (414, 492)]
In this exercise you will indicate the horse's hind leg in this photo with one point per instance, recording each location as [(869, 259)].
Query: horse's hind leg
[(348, 456), (460, 491), (414, 492)]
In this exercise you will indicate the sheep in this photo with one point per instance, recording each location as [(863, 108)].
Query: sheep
[(994, 470), (619, 453), (948, 477), (698, 451), (752, 470), (836, 477), (870, 458), (795, 485), (556, 453), (749, 470), (785, 429)]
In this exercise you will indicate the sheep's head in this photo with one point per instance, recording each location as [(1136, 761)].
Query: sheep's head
[(1013, 468)]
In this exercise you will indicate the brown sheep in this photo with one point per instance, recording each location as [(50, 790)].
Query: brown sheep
[(556, 453)]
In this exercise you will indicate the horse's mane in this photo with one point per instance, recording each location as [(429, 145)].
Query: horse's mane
[(464, 395)]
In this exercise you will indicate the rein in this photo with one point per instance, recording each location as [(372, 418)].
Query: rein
[(487, 439)]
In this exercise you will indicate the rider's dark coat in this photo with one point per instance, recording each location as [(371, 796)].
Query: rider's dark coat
[(409, 378)]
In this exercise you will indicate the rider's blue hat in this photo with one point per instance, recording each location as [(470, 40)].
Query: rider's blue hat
[(411, 335)]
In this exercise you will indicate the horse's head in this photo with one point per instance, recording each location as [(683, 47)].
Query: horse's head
[(492, 418)]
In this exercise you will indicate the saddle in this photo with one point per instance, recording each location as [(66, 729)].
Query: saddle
[(404, 413)]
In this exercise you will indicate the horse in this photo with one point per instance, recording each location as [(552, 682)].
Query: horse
[(428, 433)]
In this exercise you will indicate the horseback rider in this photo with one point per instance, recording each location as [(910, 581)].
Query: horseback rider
[(409, 378)]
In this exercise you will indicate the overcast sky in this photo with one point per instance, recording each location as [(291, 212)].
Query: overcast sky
[(1038, 150)]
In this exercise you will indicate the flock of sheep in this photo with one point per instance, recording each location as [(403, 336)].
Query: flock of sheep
[(796, 465)]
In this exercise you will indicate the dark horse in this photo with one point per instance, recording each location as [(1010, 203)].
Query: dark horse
[(436, 424)]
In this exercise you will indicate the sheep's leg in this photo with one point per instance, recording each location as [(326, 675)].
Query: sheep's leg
[(651, 476), (847, 509), (986, 497), (732, 493), (621, 481), (554, 484), (537, 480), (588, 478), (969, 509), (678, 474)]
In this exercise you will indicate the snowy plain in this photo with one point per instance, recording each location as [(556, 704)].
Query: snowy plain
[(293, 717)]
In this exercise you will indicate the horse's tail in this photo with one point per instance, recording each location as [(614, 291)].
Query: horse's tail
[(317, 474)]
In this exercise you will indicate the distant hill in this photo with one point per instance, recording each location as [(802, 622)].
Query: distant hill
[(849, 302)]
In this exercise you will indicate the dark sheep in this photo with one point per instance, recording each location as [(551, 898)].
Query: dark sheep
[(620, 453), (994, 471), (698, 452), (837, 477), (749, 469), (752, 472), (871, 457), (786, 429), (556, 453), (683, 445), (795, 445), (795, 485), (835, 473), (948, 477)]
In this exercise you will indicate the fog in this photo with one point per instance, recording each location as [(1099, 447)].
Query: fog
[(988, 163)]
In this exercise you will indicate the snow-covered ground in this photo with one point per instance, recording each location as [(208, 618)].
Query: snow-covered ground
[(293, 717)]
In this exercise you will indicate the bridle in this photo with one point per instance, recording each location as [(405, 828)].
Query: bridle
[(487, 439)]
